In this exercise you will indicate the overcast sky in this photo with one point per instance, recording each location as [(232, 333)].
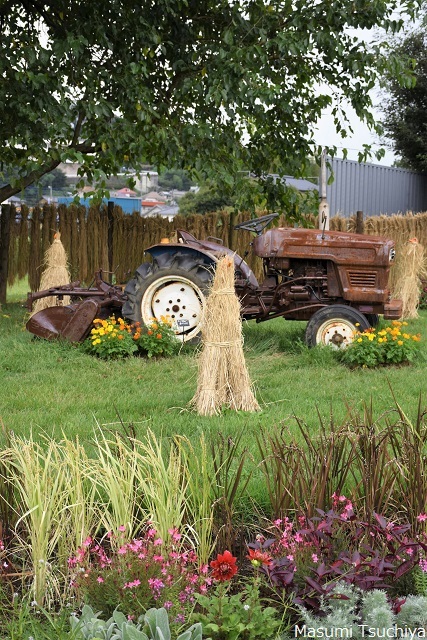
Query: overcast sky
[(326, 135)]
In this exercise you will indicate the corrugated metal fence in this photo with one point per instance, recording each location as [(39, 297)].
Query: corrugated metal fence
[(375, 189)]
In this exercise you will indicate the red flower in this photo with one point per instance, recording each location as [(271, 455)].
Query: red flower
[(258, 557), (224, 567)]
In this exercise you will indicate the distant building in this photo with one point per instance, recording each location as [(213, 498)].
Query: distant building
[(301, 184), (168, 211), (124, 193)]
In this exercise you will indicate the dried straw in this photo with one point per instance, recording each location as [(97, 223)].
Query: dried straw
[(223, 379), (55, 274), (411, 268)]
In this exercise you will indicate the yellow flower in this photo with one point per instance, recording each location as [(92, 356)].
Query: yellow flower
[(94, 331), (405, 324), (382, 333), (400, 342), (101, 332), (97, 341), (359, 339), (380, 340)]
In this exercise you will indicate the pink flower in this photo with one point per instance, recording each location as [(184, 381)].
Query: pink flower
[(175, 535), (158, 542), (122, 527), (314, 557), (131, 585), (168, 604), (100, 579), (422, 517)]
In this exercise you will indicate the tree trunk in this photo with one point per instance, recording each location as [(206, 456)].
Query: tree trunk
[(4, 250)]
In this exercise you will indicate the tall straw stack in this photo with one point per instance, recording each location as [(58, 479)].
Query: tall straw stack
[(54, 274), (223, 379), (411, 268)]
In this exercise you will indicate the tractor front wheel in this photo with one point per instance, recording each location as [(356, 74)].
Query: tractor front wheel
[(335, 326), (177, 290)]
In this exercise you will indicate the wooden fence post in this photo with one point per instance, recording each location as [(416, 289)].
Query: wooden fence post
[(4, 249), (110, 209), (359, 222)]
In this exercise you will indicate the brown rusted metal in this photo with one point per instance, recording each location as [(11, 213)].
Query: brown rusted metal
[(73, 322)]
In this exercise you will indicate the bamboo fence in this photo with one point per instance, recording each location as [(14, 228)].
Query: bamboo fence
[(84, 234)]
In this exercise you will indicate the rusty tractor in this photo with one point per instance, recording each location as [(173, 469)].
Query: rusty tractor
[(336, 281)]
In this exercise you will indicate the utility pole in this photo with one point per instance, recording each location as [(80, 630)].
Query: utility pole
[(323, 206)]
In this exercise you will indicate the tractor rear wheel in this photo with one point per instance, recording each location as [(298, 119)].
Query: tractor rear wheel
[(335, 326), (177, 289)]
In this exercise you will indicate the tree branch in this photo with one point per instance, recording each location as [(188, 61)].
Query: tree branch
[(7, 190)]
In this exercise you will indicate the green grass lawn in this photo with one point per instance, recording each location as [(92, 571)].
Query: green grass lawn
[(54, 388)]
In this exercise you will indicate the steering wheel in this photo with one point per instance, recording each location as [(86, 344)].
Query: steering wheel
[(257, 225)]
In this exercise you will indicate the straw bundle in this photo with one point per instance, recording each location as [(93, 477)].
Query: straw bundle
[(55, 274), (223, 379), (408, 284)]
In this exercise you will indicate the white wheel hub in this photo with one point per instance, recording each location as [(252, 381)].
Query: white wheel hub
[(178, 298), (337, 333)]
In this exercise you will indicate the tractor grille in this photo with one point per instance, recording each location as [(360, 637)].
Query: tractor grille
[(365, 279)]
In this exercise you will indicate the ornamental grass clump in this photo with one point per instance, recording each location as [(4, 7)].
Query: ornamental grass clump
[(148, 571), (379, 346), (110, 339)]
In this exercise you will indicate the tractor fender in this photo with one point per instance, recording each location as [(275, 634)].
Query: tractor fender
[(209, 255)]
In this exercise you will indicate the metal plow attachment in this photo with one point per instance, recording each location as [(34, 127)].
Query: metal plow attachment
[(73, 322)]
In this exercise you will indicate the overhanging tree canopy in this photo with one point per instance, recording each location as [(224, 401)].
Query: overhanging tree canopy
[(215, 85)]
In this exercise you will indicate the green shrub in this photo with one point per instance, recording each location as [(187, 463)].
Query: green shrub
[(158, 338), (110, 339), (381, 346)]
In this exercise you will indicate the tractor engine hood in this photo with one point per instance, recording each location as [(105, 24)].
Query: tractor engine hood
[(314, 244)]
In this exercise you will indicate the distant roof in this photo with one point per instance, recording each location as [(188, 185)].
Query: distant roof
[(298, 183), (165, 211), (154, 195), (125, 192), (151, 203)]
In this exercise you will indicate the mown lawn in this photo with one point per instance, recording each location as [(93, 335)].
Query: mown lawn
[(55, 388)]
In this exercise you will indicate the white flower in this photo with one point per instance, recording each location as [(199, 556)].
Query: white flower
[(246, 607)]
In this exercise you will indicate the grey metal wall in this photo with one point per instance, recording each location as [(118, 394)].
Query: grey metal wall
[(375, 189)]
